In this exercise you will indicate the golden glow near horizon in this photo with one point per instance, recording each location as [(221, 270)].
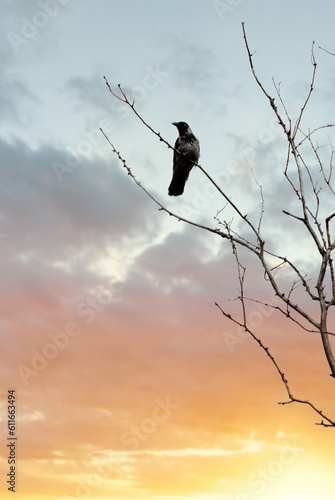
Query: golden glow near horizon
[(270, 469)]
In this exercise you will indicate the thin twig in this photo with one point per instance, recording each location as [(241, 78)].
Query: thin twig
[(297, 125), (292, 398), (286, 313), (260, 187), (331, 53)]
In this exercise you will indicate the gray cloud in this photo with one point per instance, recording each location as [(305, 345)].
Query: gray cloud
[(95, 206)]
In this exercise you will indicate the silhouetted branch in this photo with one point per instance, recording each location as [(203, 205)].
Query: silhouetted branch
[(292, 398)]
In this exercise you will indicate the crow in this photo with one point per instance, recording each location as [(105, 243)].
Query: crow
[(188, 151)]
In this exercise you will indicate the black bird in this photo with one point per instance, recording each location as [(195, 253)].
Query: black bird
[(188, 145)]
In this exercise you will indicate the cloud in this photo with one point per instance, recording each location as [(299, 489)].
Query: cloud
[(95, 205)]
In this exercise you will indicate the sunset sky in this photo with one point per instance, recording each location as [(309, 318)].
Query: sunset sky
[(129, 382)]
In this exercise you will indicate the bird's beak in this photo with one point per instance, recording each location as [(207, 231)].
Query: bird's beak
[(175, 124)]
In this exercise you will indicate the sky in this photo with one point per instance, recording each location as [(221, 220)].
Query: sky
[(128, 381)]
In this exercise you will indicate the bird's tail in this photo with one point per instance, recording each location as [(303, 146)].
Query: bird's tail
[(177, 185)]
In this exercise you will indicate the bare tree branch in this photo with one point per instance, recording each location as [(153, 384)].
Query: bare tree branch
[(300, 192), (293, 399), (286, 313)]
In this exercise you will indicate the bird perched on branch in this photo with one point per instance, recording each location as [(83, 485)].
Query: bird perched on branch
[(188, 151)]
